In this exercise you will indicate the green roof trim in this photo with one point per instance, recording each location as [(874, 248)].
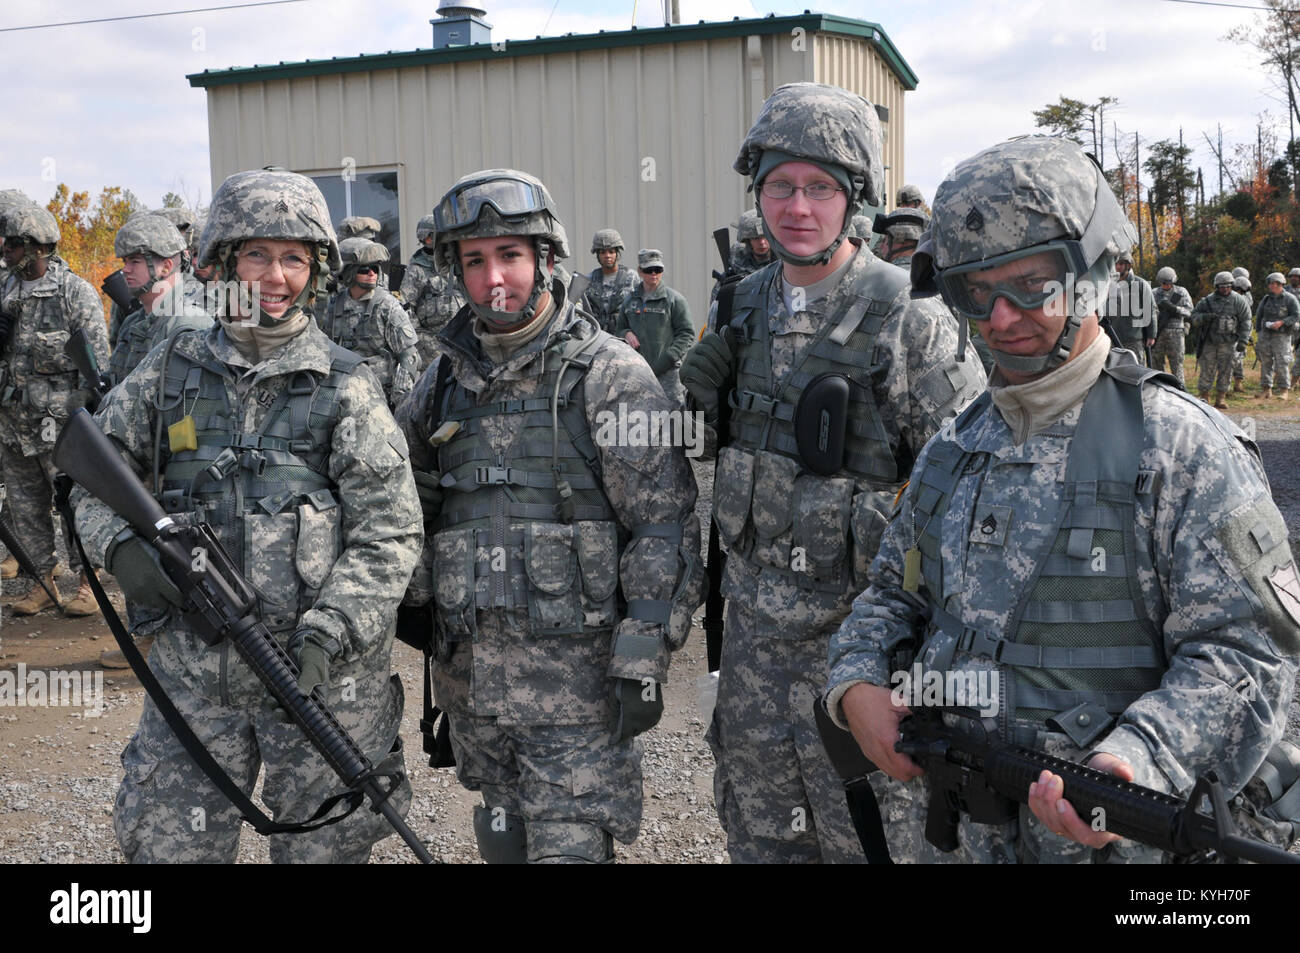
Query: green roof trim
[(570, 43)]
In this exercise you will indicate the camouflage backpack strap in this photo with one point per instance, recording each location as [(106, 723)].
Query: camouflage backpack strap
[(315, 415), (575, 356)]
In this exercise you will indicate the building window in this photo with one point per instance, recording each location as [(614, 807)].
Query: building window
[(366, 193)]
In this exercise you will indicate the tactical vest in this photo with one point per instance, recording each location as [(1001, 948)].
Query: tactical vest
[(1221, 321), (37, 368), (132, 345), (267, 495), (1274, 308), (1079, 648), (365, 337), (530, 529), (605, 300), (767, 508)]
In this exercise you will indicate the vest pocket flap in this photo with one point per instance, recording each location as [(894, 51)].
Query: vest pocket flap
[(319, 538), (270, 547), (821, 519), (774, 479), (598, 558), (868, 525), (549, 558), (733, 487), (47, 352), (453, 568)]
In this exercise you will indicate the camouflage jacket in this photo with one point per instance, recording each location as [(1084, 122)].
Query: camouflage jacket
[(1223, 317), (356, 555), (1174, 307), (504, 670), (432, 302), (1208, 537), (743, 263), (143, 330), (376, 327), (39, 383), (1131, 308), (918, 386), (604, 299), (1282, 307)]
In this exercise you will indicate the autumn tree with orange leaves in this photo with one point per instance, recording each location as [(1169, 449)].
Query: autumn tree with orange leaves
[(87, 231)]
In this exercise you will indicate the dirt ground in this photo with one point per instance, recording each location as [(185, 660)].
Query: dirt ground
[(59, 765)]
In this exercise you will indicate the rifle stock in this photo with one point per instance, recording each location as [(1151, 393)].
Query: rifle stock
[(220, 604)]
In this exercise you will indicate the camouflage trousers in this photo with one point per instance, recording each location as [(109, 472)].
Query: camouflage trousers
[(778, 798), (1239, 367), (1169, 351), (1216, 365), (167, 810), (571, 787), (29, 484), (1275, 357)]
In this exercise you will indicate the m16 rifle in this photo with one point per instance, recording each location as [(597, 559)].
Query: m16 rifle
[(220, 604), (971, 771)]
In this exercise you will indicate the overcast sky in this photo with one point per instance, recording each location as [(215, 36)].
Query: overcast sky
[(108, 103)]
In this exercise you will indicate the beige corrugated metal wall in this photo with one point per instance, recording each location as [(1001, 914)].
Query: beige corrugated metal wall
[(640, 137)]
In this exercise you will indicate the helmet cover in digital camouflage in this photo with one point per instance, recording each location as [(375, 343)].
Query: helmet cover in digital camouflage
[(356, 252), (1275, 276), (1223, 278), (500, 202), (909, 194), (1240, 284), (424, 228), (826, 125), (359, 226), (1020, 198), (606, 238), (152, 235), (750, 226), (1166, 274), (1240, 272), (276, 205)]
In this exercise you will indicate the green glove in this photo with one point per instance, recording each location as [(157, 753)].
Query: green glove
[(309, 649), (138, 570), (640, 706), (430, 493), (707, 368)]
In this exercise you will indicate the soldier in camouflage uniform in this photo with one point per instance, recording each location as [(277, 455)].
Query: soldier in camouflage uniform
[(41, 303), (656, 321), (282, 441), (1174, 310), (9, 199), (801, 524), (152, 251), (429, 298), (191, 287), (365, 318), (1223, 319), (609, 285), (750, 251), (1276, 321), (363, 226), (1130, 307), (902, 229), (541, 523), (1241, 285), (1075, 457)]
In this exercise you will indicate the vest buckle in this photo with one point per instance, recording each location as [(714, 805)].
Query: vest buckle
[(492, 476)]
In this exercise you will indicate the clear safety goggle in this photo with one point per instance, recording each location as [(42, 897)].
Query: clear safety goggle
[(1028, 278), (511, 198)]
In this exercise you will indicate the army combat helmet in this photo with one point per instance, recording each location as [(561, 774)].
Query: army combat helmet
[(272, 204), (1166, 274), (359, 252), (424, 228), (152, 235), (497, 202), (606, 238), (828, 126), (1028, 196), (750, 226), (31, 226)]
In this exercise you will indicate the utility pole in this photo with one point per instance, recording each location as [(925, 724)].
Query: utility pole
[(1137, 195), (1155, 232)]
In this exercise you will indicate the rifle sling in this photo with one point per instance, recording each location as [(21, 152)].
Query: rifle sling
[(184, 734)]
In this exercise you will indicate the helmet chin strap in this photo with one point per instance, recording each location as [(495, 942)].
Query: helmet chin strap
[(823, 256), (259, 317)]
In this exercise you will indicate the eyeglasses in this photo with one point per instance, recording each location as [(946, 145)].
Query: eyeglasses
[(367, 270), (652, 271), (817, 192), (261, 262)]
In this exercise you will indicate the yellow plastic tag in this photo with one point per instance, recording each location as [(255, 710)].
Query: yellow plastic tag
[(182, 436), (444, 433), (912, 570)]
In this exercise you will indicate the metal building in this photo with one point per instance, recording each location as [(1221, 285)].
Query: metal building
[(633, 129)]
